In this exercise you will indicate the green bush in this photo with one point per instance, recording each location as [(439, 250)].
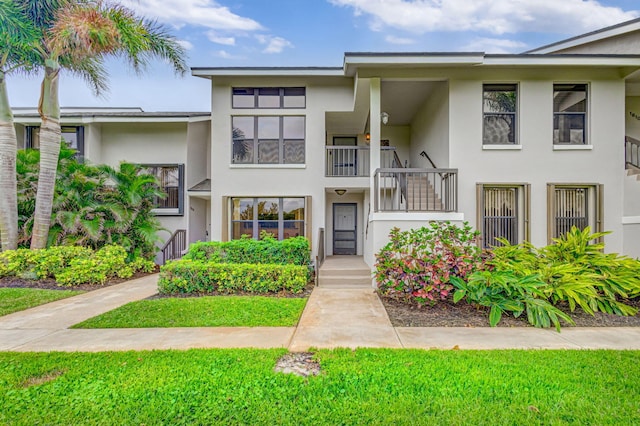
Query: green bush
[(197, 276), (70, 265), (268, 250), (576, 271), (419, 264)]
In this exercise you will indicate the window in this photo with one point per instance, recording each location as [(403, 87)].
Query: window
[(268, 140), (281, 217), (72, 135), (570, 114), (499, 114), (171, 181), (573, 205), (503, 212), (268, 97)]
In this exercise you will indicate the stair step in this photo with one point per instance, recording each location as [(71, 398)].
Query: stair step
[(360, 272), (342, 282)]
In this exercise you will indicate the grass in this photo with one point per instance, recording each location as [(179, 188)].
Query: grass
[(18, 299), (209, 311), (366, 386)]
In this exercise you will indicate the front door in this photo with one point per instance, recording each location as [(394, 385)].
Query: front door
[(344, 228)]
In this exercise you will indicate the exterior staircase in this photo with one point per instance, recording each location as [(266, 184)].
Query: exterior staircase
[(421, 196), (341, 272)]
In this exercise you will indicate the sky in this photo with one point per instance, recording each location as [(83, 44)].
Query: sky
[(248, 33)]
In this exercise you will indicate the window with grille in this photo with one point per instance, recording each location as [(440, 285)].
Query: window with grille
[(503, 212), (268, 97), (281, 217), (171, 181), (574, 205), (268, 139)]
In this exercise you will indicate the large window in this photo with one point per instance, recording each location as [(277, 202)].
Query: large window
[(72, 135), (171, 180), (281, 217), (268, 97), (503, 212), (500, 103), (570, 114), (268, 140), (573, 205)]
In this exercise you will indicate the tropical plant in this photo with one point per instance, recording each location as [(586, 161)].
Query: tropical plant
[(504, 292), (77, 35), (418, 264)]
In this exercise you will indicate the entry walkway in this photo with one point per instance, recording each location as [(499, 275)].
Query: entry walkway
[(332, 318)]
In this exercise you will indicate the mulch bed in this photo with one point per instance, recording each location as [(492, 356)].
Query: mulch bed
[(448, 314), (50, 284)]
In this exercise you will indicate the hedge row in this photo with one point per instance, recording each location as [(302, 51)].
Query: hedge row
[(197, 276), (268, 250), (71, 265)]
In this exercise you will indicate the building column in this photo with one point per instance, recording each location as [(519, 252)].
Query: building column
[(374, 130)]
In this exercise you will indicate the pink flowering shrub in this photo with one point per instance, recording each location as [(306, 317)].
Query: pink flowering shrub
[(418, 264)]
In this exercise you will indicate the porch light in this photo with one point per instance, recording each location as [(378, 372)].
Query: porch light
[(367, 138), (341, 192), (384, 117)]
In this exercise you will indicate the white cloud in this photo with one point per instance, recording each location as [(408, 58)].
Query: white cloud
[(274, 44), (206, 13), (186, 44), (398, 40), (494, 45), (494, 16), (216, 38)]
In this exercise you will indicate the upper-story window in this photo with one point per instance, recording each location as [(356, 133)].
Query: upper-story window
[(171, 182), (269, 97), (570, 114), (268, 139), (500, 102), (72, 135)]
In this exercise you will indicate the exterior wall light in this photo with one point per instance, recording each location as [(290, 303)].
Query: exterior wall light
[(384, 117), (341, 192)]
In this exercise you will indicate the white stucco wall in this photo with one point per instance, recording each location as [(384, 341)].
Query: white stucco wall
[(198, 152), (430, 129)]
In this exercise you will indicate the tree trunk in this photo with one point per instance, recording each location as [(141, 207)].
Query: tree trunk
[(8, 185), (50, 135)]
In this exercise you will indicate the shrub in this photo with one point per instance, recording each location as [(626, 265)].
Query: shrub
[(576, 271), (504, 292), (419, 264), (71, 265), (268, 250), (197, 276)]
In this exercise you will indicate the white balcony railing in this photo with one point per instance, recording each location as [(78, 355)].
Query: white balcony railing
[(353, 161)]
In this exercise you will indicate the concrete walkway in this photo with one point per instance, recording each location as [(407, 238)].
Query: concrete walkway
[(332, 318)]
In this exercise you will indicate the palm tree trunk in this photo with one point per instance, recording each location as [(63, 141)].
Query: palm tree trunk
[(8, 180), (50, 135)]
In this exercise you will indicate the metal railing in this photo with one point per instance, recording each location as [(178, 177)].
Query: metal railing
[(354, 161), (416, 190), (631, 152), (175, 247)]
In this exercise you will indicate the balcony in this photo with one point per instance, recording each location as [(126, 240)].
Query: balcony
[(353, 161), (416, 190)]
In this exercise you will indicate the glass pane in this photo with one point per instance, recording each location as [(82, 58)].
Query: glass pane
[(569, 128), (242, 151), (569, 98), (243, 127), (269, 98), (243, 98), (70, 136), (500, 98), (294, 152), (292, 229), (499, 129), (571, 209), (293, 127), (268, 209), (242, 209), (268, 152), (241, 228), (268, 226), (268, 127), (35, 137), (500, 215), (294, 97), (293, 208)]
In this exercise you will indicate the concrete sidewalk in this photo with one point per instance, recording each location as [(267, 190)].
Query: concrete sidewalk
[(332, 318)]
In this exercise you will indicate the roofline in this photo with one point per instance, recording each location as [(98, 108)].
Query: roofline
[(590, 37), (208, 72), (145, 117)]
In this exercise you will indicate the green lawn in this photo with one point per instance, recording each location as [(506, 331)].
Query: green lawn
[(18, 299), (210, 311), (381, 386)]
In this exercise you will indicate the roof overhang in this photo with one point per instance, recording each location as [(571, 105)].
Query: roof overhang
[(267, 72)]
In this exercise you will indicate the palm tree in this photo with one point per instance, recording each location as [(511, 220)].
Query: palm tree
[(77, 35), (16, 38)]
